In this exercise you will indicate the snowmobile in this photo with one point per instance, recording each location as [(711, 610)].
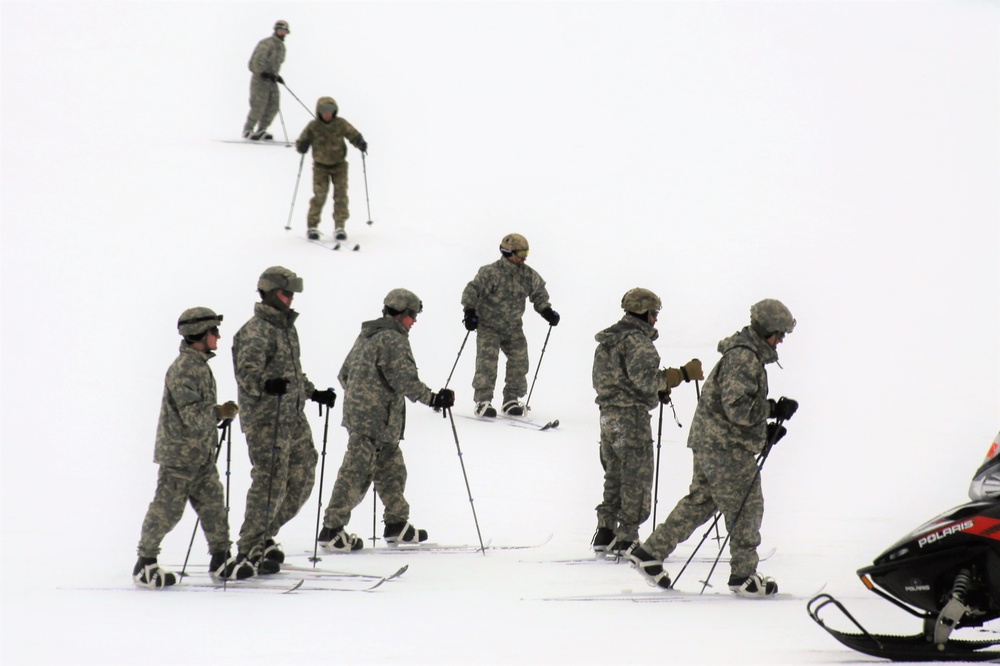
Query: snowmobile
[(946, 573)]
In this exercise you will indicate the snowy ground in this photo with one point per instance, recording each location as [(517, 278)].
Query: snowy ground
[(842, 157)]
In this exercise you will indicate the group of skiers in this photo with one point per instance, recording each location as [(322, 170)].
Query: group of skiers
[(325, 134), (734, 426)]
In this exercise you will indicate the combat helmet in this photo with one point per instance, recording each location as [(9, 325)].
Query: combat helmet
[(641, 301), (402, 301), (326, 105), (194, 322), (514, 244), (770, 316), (281, 25), (279, 277)]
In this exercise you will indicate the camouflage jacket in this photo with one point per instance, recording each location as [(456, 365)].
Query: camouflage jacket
[(185, 434), (267, 346), (267, 56), (377, 373), (499, 290), (327, 139), (627, 366), (733, 408)]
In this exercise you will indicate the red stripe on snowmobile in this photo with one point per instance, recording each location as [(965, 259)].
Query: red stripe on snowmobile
[(985, 527)]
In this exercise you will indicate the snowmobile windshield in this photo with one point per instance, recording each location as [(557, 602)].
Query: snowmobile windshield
[(986, 483)]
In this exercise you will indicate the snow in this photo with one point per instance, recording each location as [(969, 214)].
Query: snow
[(842, 157)]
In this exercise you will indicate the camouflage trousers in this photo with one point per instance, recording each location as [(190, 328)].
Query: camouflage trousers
[(366, 461), (323, 176), (294, 472), (264, 101), (174, 488), (489, 343), (627, 458), (722, 478)]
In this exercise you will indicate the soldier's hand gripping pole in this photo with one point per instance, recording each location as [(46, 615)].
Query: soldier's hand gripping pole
[(319, 504), (537, 367), (223, 436), (466, 477)]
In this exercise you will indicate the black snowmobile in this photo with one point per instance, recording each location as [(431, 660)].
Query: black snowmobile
[(946, 572)]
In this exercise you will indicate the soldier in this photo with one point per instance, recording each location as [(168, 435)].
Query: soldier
[(494, 305), (273, 390), (729, 429), (326, 134), (377, 374), (265, 62), (629, 384), (185, 451)]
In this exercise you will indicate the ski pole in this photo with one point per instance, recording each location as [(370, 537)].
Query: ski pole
[(295, 193), (756, 476), (319, 504), (466, 477), (537, 367), (281, 117), (656, 485), (223, 430), (458, 356), (364, 170), (308, 110), (374, 492)]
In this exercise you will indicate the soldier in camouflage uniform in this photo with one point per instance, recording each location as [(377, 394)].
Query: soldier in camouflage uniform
[(494, 307), (186, 452), (729, 430), (326, 136), (273, 391), (629, 383), (264, 64), (378, 373)]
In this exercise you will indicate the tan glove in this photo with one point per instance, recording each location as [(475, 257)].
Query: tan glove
[(674, 377), (228, 410), (692, 370)]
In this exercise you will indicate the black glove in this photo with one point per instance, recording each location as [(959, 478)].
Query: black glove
[(268, 76), (664, 396), (443, 399), (471, 321), (327, 397), (774, 433), (278, 79), (276, 386), (551, 316), (302, 146), (783, 409), (363, 145)]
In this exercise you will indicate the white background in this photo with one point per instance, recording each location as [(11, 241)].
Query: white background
[(839, 156)]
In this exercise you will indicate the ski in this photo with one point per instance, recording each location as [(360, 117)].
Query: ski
[(241, 586), (429, 547), (599, 559), (331, 574), (515, 421), (339, 245), (670, 596), (283, 144)]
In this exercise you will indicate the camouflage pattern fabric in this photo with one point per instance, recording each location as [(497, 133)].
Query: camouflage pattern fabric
[(185, 450), (327, 138), (627, 458), (294, 464), (721, 480), (728, 430), (377, 374), (498, 294), (267, 346), (366, 461), (489, 343), (323, 177), (175, 487), (267, 57), (627, 366)]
